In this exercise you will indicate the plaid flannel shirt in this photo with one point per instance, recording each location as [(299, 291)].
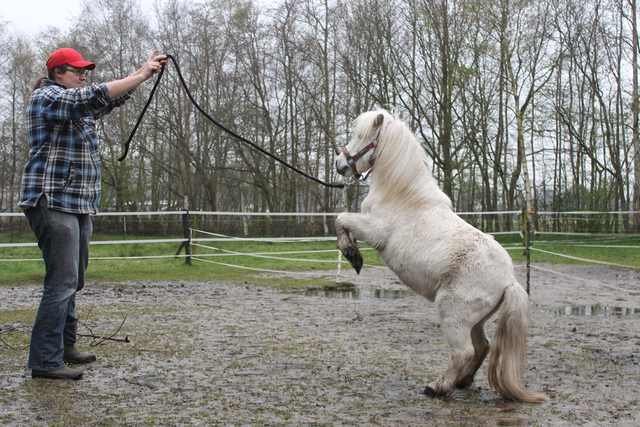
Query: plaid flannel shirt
[(64, 157)]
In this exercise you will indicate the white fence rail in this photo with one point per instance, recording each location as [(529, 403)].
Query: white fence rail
[(191, 238)]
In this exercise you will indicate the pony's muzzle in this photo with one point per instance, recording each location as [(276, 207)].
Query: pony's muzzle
[(342, 166)]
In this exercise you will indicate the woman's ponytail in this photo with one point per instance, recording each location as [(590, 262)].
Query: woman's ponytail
[(50, 76)]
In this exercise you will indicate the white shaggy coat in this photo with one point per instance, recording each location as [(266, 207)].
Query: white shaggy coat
[(410, 222)]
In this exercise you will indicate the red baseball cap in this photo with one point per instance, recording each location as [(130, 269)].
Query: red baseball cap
[(68, 56)]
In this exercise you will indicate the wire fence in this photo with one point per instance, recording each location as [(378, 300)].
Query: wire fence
[(192, 230), (270, 224)]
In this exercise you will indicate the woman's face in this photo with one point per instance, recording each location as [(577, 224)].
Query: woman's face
[(73, 77)]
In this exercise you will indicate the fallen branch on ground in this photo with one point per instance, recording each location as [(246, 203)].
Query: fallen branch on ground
[(100, 339), (19, 327)]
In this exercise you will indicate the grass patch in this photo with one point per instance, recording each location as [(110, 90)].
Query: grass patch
[(275, 256), (8, 317), (171, 268), (613, 249), (16, 330)]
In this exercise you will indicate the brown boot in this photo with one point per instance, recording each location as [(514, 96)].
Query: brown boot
[(64, 373), (73, 355)]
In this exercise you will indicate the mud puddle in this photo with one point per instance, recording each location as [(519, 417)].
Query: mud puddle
[(358, 294), (589, 310)]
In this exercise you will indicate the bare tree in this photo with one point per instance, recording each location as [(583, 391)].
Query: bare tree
[(503, 113), (635, 142), (19, 73)]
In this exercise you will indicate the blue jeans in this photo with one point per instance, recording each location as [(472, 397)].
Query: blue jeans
[(64, 240)]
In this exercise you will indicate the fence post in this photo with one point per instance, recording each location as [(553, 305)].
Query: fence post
[(527, 244), (186, 232)]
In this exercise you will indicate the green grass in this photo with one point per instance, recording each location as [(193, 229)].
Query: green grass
[(616, 249), (171, 268)]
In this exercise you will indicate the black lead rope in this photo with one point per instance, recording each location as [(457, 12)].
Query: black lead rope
[(230, 132), (144, 110)]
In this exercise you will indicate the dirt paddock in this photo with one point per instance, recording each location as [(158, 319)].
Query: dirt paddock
[(235, 354)]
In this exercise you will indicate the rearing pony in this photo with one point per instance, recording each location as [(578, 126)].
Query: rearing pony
[(410, 222)]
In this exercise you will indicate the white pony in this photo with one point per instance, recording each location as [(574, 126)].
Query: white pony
[(411, 223)]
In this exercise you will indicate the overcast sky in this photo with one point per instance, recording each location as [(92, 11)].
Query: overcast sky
[(31, 16)]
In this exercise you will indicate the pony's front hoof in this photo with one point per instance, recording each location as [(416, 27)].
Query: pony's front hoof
[(354, 257), (356, 262)]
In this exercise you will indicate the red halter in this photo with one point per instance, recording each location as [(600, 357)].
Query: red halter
[(351, 160)]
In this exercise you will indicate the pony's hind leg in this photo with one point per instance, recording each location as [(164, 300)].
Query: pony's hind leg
[(481, 346), (458, 336)]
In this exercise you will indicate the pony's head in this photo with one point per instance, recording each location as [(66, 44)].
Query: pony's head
[(359, 155), (385, 145)]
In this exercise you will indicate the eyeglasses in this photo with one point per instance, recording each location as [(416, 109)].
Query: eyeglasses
[(77, 72)]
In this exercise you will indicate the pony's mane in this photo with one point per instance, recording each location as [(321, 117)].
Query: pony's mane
[(400, 167)]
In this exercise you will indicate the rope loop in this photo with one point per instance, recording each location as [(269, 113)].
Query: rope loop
[(212, 120)]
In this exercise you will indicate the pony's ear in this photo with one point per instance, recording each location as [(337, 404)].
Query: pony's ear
[(379, 121)]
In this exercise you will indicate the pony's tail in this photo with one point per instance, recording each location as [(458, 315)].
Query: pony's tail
[(506, 362)]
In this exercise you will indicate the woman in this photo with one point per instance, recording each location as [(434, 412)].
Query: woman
[(60, 190)]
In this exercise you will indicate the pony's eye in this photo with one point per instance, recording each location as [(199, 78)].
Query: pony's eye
[(359, 136)]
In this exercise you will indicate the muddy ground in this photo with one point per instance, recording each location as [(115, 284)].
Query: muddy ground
[(239, 355)]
